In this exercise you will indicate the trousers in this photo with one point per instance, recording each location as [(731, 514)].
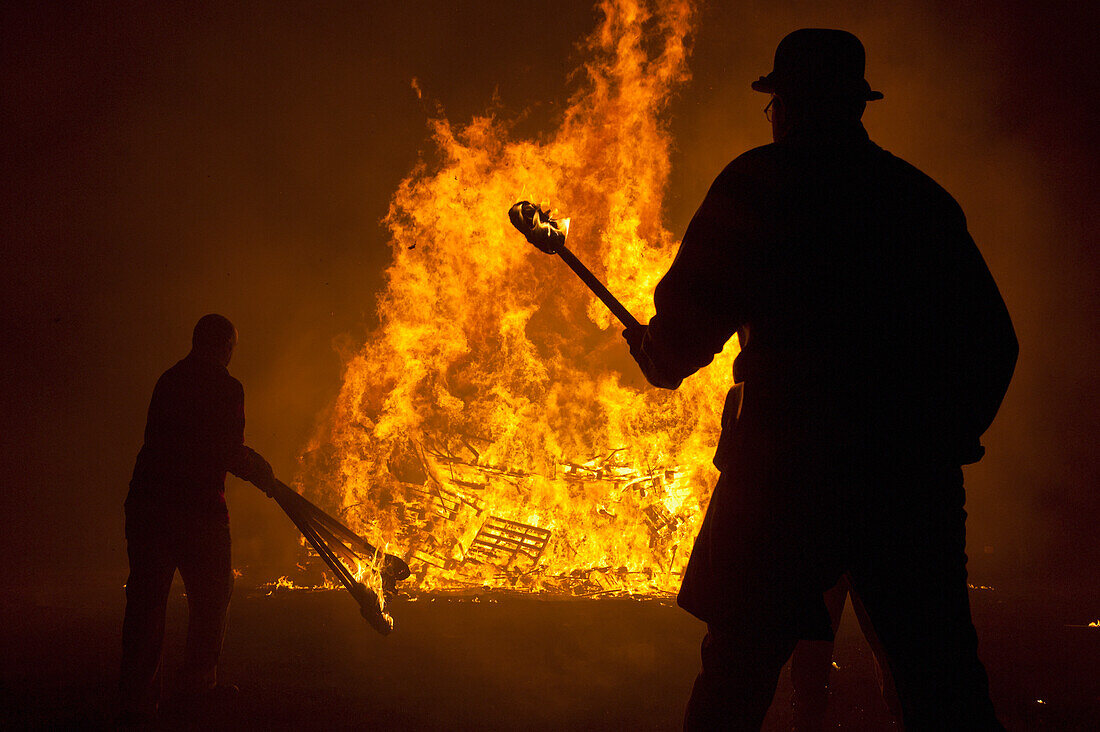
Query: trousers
[(906, 561), (812, 662), (158, 542)]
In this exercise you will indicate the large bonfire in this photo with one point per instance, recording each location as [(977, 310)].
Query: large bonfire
[(492, 430)]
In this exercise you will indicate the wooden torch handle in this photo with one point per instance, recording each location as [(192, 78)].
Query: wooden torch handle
[(597, 287)]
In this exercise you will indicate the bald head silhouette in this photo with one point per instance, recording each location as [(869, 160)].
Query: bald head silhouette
[(214, 337)]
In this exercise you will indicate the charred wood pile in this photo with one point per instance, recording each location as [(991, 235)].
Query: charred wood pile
[(461, 531)]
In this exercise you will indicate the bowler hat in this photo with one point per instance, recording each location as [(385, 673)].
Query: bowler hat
[(819, 62)]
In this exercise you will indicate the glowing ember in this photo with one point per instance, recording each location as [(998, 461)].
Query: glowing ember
[(493, 430)]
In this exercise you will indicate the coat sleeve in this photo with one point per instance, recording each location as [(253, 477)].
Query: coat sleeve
[(982, 340), (702, 299)]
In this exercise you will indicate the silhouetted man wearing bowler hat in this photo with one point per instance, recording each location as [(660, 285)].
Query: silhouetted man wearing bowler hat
[(876, 351), (176, 518)]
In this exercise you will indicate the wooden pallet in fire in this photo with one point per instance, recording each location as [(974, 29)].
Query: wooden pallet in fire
[(500, 541)]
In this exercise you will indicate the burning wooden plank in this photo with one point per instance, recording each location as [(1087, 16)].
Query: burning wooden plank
[(500, 541)]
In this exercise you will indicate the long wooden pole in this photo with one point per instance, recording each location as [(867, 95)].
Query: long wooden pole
[(597, 287), (320, 530)]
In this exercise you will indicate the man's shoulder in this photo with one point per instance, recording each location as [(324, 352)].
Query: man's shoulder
[(918, 182), (752, 162), (757, 174), (175, 372), (195, 371), (229, 382), (748, 172)]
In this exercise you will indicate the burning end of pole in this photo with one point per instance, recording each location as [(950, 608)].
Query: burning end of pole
[(340, 547), (370, 606), (548, 235), (539, 226)]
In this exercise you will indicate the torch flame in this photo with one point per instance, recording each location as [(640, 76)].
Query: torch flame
[(493, 429)]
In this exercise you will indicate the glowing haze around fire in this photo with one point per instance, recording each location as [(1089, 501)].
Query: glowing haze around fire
[(486, 431)]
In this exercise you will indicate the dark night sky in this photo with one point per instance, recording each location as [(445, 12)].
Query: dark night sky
[(163, 161)]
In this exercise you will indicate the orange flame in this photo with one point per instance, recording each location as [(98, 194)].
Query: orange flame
[(492, 429)]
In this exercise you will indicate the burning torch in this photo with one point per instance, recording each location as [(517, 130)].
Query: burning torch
[(548, 235)]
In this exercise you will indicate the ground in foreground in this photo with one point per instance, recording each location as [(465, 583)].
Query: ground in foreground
[(308, 661)]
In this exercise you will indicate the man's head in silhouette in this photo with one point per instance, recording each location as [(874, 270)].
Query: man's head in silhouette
[(215, 338), (816, 81)]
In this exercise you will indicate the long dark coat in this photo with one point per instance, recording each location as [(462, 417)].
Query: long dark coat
[(878, 351)]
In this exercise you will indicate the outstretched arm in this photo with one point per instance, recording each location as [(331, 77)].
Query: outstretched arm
[(700, 301), (239, 459), (251, 466)]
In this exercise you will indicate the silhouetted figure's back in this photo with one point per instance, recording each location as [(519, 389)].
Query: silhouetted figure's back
[(194, 433), (876, 350), (176, 518), (868, 308)]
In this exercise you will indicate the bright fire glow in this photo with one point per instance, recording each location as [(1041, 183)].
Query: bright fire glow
[(493, 430)]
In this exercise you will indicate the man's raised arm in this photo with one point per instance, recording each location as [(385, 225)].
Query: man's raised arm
[(700, 301)]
